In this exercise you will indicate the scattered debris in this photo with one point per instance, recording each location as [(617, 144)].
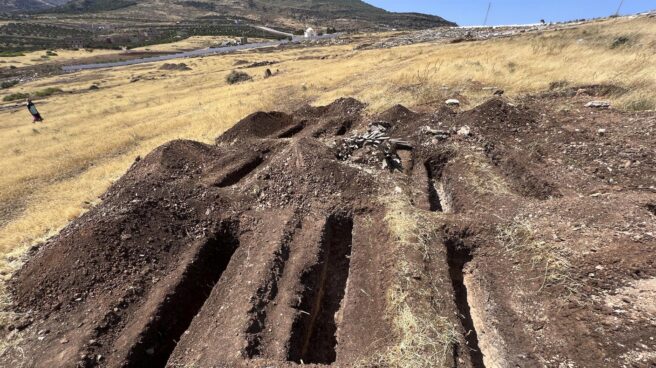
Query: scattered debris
[(376, 136), (450, 34), (439, 134)]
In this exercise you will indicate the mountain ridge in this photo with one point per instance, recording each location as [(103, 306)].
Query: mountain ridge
[(291, 14)]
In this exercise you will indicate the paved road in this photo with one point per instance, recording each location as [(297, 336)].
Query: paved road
[(275, 31), (187, 54), (201, 52)]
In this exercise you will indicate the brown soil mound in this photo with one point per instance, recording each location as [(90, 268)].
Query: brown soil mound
[(258, 125), (527, 241)]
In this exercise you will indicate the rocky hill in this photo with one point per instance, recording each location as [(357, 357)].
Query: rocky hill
[(290, 14), (10, 6)]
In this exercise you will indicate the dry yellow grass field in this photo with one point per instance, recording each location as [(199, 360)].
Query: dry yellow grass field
[(62, 55), (53, 172)]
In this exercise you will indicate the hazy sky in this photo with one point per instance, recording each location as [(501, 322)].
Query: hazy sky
[(472, 12)]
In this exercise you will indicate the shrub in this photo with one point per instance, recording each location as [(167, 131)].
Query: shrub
[(620, 41), (16, 96), (237, 77), (640, 104), (558, 85), (47, 92), (11, 54), (8, 84)]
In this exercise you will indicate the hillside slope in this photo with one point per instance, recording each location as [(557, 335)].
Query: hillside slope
[(345, 14), (9, 6)]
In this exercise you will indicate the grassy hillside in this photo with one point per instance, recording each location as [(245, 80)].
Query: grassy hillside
[(28, 5), (351, 14), (92, 6), (54, 172), (134, 23)]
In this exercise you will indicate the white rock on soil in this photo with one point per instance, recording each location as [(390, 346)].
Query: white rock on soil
[(452, 102), (598, 104), (465, 130)]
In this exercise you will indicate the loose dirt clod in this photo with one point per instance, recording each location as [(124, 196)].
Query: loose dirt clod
[(288, 241)]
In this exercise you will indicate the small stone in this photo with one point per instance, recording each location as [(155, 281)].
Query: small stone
[(465, 130), (63, 341), (599, 267), (591, 274), (601, 131), (452, 102), (598, 104)]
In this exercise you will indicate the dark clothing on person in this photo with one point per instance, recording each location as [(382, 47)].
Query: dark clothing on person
[(35, 113)]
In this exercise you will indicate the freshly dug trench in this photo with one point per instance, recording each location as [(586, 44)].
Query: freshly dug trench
[(434, 201), (458, 257), (240, 172), (292, 131), (176, 313), (265, 295), (434, 168), (314, 337)]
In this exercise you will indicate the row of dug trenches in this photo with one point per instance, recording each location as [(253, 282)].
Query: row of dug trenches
[(285, 243)]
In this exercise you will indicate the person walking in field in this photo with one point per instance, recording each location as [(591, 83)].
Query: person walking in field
[(35, 113)]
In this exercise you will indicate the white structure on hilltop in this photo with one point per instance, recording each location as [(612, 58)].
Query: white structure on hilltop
[(310, 33)]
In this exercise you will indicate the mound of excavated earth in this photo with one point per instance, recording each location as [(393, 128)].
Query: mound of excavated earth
[(510, 235)]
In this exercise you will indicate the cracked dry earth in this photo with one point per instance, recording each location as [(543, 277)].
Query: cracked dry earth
[(528, 242)]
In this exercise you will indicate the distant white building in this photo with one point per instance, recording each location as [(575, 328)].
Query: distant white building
[(310, 33)]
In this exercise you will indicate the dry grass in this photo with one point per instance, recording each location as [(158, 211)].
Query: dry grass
[(65, 55), (425, 336), (548, 257), (482, 177), (53, 172)]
